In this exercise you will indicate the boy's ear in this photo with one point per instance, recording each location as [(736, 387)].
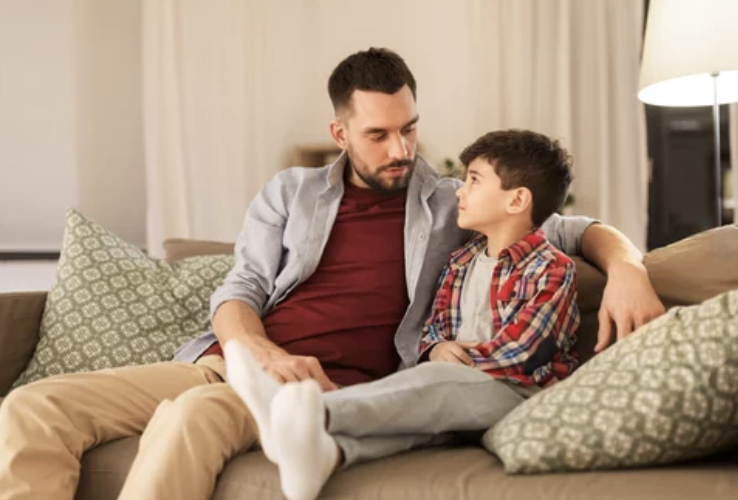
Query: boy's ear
[(339, 133), (520, 201)]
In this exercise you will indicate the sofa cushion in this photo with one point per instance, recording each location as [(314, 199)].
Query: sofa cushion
[(696, 268), (111, 305), (668, 392), (434, 474), (20, 318)]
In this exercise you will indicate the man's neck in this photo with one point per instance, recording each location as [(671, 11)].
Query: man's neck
[(505, 235)]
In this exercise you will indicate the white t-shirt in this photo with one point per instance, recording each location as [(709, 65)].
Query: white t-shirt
[(476, 312)]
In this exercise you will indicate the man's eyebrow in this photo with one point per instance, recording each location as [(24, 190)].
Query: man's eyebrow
[(377, 130)]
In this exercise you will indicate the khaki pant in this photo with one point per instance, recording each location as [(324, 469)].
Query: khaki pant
[(190, 421)]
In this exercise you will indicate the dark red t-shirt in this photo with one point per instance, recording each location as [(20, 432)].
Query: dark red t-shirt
[(346, 314)]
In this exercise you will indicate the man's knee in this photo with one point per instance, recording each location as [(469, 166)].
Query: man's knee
[(28, 401), (203, 406)]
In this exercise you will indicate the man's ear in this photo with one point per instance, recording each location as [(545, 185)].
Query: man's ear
[(339, 133), (521, 199)]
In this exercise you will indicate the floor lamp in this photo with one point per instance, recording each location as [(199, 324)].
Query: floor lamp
[(690, 58)]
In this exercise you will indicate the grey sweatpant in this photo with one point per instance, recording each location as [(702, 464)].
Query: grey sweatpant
[(417, 407)]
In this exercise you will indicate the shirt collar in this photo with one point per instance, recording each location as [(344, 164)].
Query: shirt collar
[(518, 253)]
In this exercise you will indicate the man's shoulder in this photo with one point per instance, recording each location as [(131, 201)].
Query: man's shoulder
[(296, 176)]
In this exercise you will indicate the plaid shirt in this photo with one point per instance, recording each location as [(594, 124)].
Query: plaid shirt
[(533, 311)]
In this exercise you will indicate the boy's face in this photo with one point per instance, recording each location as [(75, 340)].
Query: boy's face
[(379, 134), (483, 204)]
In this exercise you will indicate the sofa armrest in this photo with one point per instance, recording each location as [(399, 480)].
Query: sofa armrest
[(20, 319)]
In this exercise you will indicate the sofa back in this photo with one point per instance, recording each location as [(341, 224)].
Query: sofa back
[(684, 273)]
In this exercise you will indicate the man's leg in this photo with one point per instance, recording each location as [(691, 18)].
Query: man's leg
[(187, 443), (45, 427)]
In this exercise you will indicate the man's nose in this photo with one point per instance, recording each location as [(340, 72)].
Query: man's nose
[(398, 148)]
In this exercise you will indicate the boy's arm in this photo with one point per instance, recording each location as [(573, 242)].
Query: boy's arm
[(435, 332), (547, 320)]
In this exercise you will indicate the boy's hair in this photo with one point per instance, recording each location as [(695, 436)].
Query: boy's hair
[(376, 69), (522, 158)]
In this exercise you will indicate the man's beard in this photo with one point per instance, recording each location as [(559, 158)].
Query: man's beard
[(374, 179)]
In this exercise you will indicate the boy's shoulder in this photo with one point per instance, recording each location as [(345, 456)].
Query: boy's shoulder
[(555, 256), (539, 254)]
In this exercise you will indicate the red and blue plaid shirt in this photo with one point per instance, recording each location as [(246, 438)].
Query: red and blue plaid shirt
[(533, 311)]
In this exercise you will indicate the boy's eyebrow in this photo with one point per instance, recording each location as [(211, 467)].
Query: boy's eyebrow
[(471, 171), (375, 130)]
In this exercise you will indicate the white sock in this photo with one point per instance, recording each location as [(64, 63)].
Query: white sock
[(254, 387), (307, 453)]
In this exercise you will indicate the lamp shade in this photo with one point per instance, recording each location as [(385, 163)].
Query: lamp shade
[(686, 42)]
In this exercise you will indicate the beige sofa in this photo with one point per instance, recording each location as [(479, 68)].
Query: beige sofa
[(687, 272)]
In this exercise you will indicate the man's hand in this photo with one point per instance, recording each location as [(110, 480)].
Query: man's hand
[(287, 368), (452, 352), (629, 302)]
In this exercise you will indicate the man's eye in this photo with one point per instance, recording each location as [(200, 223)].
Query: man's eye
[(378, 138), (409, 130)]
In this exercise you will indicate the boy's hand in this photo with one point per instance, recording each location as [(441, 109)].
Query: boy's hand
[(452, 352)]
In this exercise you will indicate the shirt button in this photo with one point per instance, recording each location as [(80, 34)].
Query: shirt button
[(422, 236)]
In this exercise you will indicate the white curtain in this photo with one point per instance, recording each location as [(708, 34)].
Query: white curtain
[(203, 116), (569, 68), (231, 86)]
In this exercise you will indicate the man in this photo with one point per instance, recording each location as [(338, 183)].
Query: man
[(335, 271)]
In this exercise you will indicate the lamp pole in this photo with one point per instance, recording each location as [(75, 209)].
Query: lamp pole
[(718, 165)]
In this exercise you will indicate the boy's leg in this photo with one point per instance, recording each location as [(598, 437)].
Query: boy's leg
[(364, 449), (45, 427), (412, 408), (428, 399), (188, 442)]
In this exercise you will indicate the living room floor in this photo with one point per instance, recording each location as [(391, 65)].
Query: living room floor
[(26, 276)]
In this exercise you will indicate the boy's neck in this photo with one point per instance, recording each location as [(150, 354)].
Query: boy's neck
[(504, 235)]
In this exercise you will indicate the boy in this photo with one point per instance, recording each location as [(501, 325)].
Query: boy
[(501, 327)]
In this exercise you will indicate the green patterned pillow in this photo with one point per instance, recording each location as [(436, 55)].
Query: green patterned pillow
[(112, 305), (668, 392)]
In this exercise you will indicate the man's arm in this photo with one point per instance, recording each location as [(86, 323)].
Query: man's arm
[(237, 305), (235, 320), (629, 300)]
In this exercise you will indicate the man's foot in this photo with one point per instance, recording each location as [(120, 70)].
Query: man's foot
[(254, 387), (308, 455)]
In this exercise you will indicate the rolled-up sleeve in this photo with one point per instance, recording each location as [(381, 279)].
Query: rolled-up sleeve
[(258, 251), (565, 233)]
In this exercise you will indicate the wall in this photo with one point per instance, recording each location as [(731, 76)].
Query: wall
[(70, 119), (38, 133), (110, 117)]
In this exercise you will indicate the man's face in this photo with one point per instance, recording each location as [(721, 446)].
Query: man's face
[(379, 134)]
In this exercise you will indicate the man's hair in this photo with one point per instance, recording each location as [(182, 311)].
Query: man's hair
[(522, 158), (376, 69)]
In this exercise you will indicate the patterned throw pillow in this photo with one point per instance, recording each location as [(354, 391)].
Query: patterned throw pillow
[(669, 392), (112, 305)]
